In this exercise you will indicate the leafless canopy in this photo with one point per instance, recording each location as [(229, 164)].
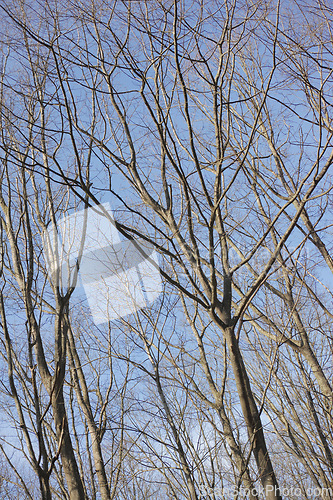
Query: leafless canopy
[(208, 127)]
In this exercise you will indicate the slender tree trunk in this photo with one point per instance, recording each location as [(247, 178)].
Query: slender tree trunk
[(82, 394), (44, 485), (72, 474), (237, 456), (252, 419), (71, 470)]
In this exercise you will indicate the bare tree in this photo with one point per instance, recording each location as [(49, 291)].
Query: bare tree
[(210, 128)]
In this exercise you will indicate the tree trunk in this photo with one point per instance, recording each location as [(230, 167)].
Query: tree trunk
[(72, 475), (252, 419)]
